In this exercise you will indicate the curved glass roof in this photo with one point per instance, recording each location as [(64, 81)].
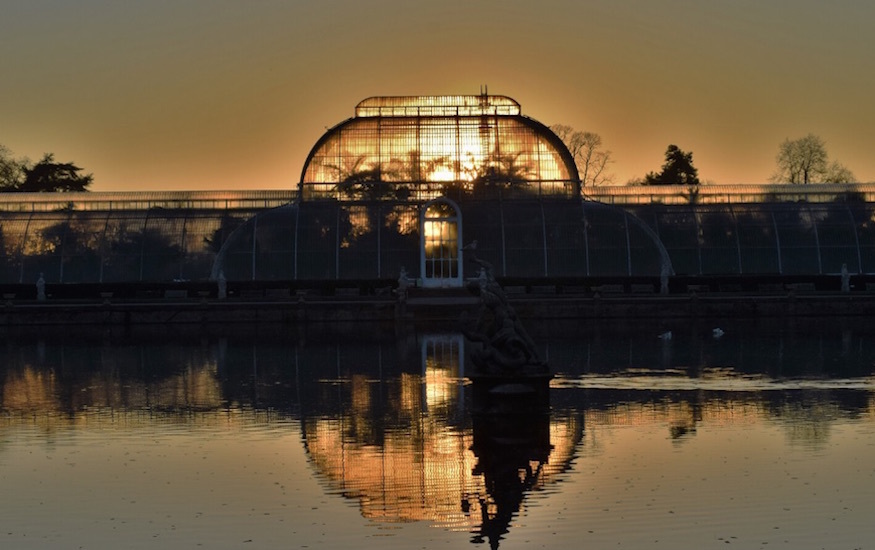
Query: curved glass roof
[(399, 148)]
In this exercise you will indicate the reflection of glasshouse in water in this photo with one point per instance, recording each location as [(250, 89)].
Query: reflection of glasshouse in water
[(416, 184)]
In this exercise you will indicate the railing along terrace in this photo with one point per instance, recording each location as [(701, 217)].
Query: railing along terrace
[(145, 200), (727, 194)]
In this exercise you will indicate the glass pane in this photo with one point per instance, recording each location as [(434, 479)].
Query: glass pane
[(524, 238), (719, 245), (756, 240), (798, 236), (441, 249), (482, 223), (399, 240), (566, 239), (317, 241), (607, 240), (837, 236)]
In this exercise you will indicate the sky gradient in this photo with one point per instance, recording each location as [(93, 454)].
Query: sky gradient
[(221, 94)]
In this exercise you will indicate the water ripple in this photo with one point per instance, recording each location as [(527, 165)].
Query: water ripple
[(714, 379)]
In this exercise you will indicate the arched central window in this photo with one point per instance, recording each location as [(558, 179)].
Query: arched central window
[(441, 231)]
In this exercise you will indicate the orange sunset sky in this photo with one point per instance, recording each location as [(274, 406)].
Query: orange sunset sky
[(221, 94)]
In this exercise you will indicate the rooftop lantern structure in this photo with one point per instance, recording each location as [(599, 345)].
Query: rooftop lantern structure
[(423, 147)]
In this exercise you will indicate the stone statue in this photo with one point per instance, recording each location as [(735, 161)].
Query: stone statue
[(223, 285), (506, 347), (404, 283), (41, 288), (846, 279)]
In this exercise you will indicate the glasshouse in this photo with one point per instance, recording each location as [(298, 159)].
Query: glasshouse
[(421, 185), (433, 187)]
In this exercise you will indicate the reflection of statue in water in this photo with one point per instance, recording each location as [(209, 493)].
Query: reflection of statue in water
[(505, 344), (511, 451), (507, 488), (510, 408)]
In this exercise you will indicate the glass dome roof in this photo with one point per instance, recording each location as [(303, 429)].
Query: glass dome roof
[(427, 146)]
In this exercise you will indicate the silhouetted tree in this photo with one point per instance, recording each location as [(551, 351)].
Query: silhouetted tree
[(586, 148), (76, 242), (11, 170), (805, 160), (50, 176), (505, 171), (677, 170), (839, 173), (364, 180)]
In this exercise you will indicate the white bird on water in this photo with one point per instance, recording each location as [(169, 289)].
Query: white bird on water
[(717, 332), (665, 335)]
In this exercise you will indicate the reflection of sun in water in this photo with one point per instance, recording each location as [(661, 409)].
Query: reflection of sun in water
[(442, 356), (439, 387)]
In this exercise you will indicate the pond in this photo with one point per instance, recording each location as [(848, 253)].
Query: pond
[(759, 435)]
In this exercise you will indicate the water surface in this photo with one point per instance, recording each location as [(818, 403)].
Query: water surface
[(283, 437)]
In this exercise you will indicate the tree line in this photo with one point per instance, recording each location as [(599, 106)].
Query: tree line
[(46, 176), (799, 161)]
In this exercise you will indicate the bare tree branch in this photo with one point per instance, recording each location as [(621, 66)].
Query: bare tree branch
[(586, 149)]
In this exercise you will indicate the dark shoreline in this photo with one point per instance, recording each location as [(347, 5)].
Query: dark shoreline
[(432, 306)]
